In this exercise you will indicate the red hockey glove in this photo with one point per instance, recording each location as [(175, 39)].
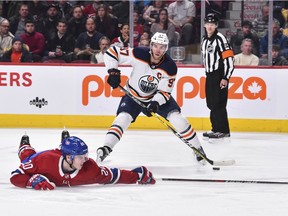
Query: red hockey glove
[(40, 182), (145, 176), (114, 78)]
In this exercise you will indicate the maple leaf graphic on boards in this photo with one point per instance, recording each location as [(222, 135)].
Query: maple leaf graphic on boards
[(254, 88)]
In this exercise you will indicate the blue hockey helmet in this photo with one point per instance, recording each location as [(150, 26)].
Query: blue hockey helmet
[(73, 146)]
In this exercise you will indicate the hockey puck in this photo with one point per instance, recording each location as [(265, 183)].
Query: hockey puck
[(216, 168)]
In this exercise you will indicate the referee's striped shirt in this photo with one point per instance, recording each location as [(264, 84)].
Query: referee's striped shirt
[(217, 54)]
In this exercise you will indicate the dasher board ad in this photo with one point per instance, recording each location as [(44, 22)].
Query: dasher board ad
[(257, 93)]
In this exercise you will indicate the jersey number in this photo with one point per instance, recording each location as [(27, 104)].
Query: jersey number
[(124, 51), (171, 82), (104, 171), (27, 165)]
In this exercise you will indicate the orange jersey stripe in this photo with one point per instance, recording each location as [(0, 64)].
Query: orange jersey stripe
[(227, 53), (138, 96), (165, 95), (113, 52)]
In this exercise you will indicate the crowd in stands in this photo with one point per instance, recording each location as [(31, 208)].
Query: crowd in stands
[(73, 31), (250, 43), (81, 31)]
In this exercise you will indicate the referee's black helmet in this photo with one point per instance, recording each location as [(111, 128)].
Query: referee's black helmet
[(211, 18)]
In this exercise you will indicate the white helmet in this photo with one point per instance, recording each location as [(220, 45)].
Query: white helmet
[(160, 38)]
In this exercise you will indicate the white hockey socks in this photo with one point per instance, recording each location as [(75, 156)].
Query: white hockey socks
[(115, 132), (185, 129)]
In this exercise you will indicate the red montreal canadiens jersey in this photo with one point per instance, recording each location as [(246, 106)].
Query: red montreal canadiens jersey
[(146, 80), (49, 164)]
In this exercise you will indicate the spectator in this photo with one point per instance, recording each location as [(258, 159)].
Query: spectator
[(260, 24), (61, 46), (278, 38), (123, 39), (106, 23), (17, 22), (163, 25), (280, 12), (121, 11), (76, 24), (47, 26), (245, 32), (34, 40), (90, 9), (17, 53), (181, 14), (10, 8), (146, 35), (276, 58), (144, 42), (138, 28), (152, 12), (142, 5), (1, 10), (246, 57), (80, 3), (284, 13), (37, 10), (98, 56), (145, 39), (88, 41), (6, 37), (65, 9)]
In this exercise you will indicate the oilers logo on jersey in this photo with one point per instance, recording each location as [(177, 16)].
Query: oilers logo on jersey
[(148, 83)]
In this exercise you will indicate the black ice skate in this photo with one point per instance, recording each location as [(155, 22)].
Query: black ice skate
[(25, 140), (207, 134), (102, 153), (65, 134), (219, 135)]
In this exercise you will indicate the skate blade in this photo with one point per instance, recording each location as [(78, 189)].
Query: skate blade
[(205, 138), (225, 140)]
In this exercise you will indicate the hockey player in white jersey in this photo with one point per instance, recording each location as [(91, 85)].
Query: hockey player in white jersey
[(151, 81)]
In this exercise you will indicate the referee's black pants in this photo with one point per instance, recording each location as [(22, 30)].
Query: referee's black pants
[(216, 99)]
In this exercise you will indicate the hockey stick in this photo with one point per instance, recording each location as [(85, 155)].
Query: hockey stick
[(170, 126), (223, 181)]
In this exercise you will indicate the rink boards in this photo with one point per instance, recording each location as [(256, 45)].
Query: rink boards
[(77, 96)]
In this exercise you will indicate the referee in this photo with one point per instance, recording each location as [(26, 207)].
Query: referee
[(218, 60)]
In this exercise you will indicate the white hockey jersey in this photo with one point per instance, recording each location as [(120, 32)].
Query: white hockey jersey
[(147, 81)]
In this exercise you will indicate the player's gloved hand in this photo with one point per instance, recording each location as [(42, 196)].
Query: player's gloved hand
[(145, 176), (40, 182), (114, 78), (153, 106)]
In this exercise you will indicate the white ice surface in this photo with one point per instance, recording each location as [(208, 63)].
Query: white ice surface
[(259, 156)]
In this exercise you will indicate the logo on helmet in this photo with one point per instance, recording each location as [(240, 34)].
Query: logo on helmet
[(73, 146), (160, 38), (67, 142), (211, 18)]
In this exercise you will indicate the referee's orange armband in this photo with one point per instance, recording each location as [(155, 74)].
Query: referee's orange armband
[(227, 53)]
